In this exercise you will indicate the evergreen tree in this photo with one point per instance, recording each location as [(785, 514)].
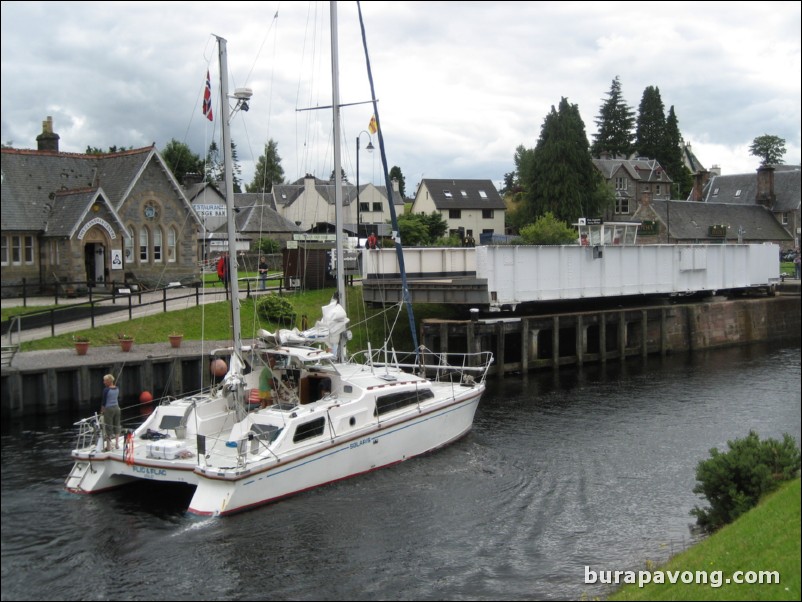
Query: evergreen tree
[(395, 173), (181, 160), (769, 148), (615, 124), (215, 167), (268, 170), (650, 135), (670, 158), (564, 180)]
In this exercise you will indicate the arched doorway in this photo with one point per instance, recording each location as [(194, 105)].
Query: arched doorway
[(96, 257)]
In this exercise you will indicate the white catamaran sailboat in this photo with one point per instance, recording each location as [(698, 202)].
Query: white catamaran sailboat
[(331, 417)]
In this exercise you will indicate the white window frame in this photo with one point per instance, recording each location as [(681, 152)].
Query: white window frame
[(144, 249), (172, 241), (158, 241)]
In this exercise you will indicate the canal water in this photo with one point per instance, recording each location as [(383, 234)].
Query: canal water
[(591, 467)]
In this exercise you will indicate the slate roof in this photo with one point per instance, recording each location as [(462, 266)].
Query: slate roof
[(463, 194), (640, 169), (688, 220), (741, 189), (31, 180)]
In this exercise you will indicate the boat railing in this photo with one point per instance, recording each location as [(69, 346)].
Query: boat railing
[(466, 367), (89, 432)]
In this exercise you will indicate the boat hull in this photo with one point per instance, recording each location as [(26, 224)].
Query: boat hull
[(394, 441)]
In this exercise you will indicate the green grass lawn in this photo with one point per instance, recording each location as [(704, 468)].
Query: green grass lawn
[(762, 544)]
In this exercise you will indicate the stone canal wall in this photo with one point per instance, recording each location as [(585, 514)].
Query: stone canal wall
[(48, 382)]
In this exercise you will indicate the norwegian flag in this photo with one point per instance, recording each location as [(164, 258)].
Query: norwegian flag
[(207, 98)]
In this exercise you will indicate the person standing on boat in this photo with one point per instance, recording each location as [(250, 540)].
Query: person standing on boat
[(262, 273), (110, 411)]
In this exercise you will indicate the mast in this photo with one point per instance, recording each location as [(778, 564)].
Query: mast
[(338, 185), (229, 181)]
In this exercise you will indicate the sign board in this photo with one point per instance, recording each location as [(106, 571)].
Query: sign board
[(116, 259)]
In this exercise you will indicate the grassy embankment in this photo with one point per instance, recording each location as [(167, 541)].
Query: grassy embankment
[(766, 539), (212, 322)]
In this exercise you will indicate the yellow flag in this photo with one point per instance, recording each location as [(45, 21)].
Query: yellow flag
[(372, 126)]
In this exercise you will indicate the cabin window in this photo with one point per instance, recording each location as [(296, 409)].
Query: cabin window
[(396, 401), (308, 430)]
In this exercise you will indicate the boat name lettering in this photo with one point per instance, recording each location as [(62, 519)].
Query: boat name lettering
[(150, 472), (361, 442)]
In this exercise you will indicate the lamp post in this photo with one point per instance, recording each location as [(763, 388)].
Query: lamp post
[(369, 147)]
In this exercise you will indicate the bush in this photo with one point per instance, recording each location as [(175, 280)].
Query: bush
[(277, 310), (734, 481)]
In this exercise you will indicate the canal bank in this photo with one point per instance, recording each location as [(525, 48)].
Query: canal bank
[(49, 382)]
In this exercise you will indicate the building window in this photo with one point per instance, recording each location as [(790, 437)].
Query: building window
[(487, 214), (737, 193), (157, 245), (377, 207), (16, 250), (622, 206), (464, 194), (53, 246), (172, 237), (715, 192), (364, 207), (447, 194), (620, 183), (4, 251), (454, 213), (785, 218), (658, 189), (482, 194), (128, 244), (144, 243), (28, 250)]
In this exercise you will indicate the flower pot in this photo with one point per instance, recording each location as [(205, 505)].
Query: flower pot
[(81, 347), (126, 344), (175, 340)]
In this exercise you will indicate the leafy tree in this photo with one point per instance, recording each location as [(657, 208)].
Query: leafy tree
[(615, 124), (734, 481), (548, 230), (395, 173), (268, 245), (436, 225), (181, 160), (215, 166), (769, 148), (268, 170), (563, 179), (413, 229), (650, 133)]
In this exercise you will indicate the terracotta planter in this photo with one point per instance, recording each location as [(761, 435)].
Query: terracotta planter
[(175, 340), (126, 344), (81, 347)]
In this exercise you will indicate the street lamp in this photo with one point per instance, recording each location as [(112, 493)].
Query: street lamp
[(369, 148)]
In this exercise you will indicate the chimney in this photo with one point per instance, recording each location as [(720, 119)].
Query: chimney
[(645, 198), (309, 183), (765, 186), (47, 140), (700, 180)]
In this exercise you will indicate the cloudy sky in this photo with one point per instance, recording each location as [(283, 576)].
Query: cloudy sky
[(460, 84)]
